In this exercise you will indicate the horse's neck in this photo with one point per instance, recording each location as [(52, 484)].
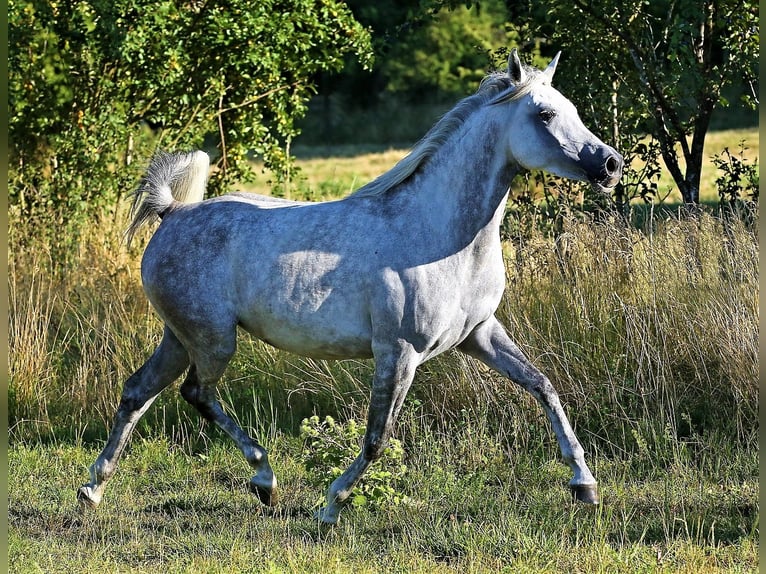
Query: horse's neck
[(465, 184)]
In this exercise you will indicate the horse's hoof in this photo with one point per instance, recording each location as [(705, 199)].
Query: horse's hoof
[(326, 518), (266, 491), (87, 498), (585, 493)]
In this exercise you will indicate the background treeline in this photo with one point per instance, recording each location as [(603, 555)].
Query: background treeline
[(95, 87), (426, 60)]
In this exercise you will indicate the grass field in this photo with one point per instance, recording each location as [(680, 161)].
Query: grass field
[(651, 338), (173, 510)]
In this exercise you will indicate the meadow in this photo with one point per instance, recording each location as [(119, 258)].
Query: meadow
[(650, 335)]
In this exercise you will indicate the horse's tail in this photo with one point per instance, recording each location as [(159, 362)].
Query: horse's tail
[(171, 178)]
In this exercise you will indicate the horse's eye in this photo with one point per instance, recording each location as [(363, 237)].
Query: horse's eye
[(546, 115)]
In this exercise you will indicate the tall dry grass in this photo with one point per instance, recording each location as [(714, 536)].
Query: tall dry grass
[(645, 330), (646, 334), (75, 332)]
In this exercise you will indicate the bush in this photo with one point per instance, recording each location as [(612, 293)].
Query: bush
[(737, 183), (95, 87), (330, 447)]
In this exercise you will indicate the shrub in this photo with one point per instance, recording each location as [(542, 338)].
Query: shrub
[(330, 447), (737, 183)]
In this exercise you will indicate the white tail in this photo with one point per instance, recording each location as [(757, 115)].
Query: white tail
[(171, 178)]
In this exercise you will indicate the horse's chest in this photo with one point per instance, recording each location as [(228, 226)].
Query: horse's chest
[(480, 291), (439, 304)]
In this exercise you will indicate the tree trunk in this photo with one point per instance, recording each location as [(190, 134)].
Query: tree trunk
[(690, 192)]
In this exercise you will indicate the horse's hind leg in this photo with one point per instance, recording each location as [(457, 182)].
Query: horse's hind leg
[(491, 344), (163, 367), (199, 390)]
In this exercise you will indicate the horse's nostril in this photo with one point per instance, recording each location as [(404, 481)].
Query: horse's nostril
[(612, 165)]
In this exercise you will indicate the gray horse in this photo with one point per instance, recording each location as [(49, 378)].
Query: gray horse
[(405, 268)]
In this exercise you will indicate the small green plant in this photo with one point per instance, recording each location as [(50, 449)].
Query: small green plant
[(329, 447), (738, 182)]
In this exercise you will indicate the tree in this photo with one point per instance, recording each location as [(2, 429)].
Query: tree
[(657, 67), (93, 83), (447, 55)]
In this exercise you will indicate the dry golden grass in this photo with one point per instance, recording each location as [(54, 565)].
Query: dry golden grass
[(75, 335)]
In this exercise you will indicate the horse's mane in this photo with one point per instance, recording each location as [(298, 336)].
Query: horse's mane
[(495, 88)]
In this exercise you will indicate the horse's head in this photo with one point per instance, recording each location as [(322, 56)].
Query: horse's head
[(548, 133)]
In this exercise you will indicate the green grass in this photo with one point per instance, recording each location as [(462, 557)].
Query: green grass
[(180, 511)]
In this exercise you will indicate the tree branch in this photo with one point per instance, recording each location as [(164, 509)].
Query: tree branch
[(258, 97)]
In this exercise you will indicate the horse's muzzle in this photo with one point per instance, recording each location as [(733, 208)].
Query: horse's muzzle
[(611, 171), (602, 164)]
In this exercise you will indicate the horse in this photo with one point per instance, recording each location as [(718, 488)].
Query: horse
[(401, 270)]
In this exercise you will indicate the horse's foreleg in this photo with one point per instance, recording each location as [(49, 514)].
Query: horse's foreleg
[(392, 379), (199, 390), (490, 343), (163, 367)]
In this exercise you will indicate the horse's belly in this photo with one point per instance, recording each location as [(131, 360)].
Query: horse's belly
[(317, 337)]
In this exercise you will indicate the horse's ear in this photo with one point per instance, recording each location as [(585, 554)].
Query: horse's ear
[(515, 70), (551, 69)]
